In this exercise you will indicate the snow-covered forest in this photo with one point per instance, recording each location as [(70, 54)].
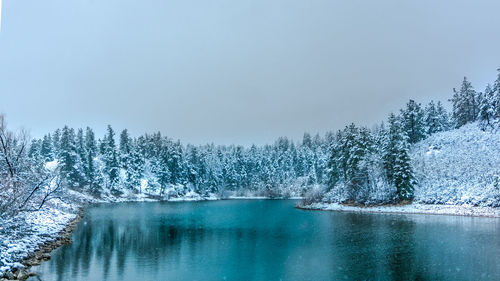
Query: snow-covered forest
[(386, 163), (422, 154)]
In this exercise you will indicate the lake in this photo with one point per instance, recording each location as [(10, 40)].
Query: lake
[(271, 240)]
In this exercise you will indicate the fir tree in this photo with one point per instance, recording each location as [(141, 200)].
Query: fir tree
[(136, 167), (495, 97), (110, 157), (46, 149), (68, 158), (465, 104), (413, 121), (486, 108), (89, 166), (125, 156), (396, 159)]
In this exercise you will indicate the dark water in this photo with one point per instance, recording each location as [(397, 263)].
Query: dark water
[(270, 240)]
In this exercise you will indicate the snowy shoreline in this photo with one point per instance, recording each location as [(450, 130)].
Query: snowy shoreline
[(28, 238), (416, 208)]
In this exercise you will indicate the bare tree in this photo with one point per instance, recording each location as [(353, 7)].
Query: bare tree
[(24, 182)]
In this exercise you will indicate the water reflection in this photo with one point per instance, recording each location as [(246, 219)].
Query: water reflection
[(270, 240)]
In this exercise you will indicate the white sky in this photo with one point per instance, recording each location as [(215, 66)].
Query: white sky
[(236, 71)]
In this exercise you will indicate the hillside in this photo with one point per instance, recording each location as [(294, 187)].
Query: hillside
[(460, 166)]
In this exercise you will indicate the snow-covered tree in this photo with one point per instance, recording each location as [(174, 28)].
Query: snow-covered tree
[(47, 149), (486, 108), (110, 158), (94, 179), (413, 122), (69, 165), (465, 104), (396, 159), (436, 118), (495, 97)]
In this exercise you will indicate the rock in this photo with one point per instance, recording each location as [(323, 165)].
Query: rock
[(45, 256), (33, 262), (22, 275), (10, 275)]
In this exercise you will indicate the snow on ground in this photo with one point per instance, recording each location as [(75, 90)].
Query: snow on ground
[(416, 208), (460, 166), (23, 234)]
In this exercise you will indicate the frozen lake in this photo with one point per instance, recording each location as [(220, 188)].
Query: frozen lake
[(271, 240)]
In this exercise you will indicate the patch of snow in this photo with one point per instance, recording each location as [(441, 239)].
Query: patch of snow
[(51, 165), (415, 208)]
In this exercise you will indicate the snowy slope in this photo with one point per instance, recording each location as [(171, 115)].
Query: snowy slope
[(460, 166)]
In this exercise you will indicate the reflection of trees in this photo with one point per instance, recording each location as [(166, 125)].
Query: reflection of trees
[(110, 243), (356, 248), (375, 247), (401, 249)]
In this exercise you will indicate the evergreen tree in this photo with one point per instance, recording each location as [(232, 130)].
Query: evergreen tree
[(486, 108), (413, 121), (68, 158), (125, 156), (80, 151), (160, 166), (89, 166), (46, 149), (56, 138), (443, 118), (396, 159), (110, 158), (465, 104), (136, 167), (495, 97)]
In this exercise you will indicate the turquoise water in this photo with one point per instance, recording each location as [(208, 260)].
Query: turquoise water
[(271, 240)]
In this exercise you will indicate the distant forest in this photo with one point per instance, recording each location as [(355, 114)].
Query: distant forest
[(364, 165)]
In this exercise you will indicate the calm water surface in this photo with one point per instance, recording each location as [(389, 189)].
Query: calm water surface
[(271, 240)]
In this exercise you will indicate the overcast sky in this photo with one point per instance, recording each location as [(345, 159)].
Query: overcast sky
[(236, 71)]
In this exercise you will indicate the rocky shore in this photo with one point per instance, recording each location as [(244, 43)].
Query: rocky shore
[(21, 270)]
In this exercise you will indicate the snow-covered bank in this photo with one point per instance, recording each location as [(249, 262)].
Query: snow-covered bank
[(460, 166), (27, 232), (416, 208)]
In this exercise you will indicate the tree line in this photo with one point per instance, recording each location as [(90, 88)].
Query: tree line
[(356, 164)]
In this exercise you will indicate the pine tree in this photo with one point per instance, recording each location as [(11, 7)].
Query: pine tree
[(110, 157), (413, 121), (465, 104), (443, 118), (80, 151), (396, 159), (136, 167), (431, 118), (46, 149), (125, 156), (495, 97), (89, 166), (175, 161), (486, 108), (68, 158), (56, 138)]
